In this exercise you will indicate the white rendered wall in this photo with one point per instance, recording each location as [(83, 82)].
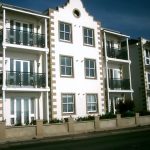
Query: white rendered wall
[(77, 85)]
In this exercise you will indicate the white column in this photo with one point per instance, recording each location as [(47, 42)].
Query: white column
[(46, 69), (129, 68), (41, 106), (4, 26), (47, 104), (107, 79), (45, 33)]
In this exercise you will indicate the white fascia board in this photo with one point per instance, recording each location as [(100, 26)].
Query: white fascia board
[(25, 12), (115, 33), (121, 91)]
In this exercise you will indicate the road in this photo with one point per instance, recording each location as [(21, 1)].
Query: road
[(137, 140)]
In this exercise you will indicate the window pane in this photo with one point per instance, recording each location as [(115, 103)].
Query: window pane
[(90, 33), (67, 36), (32, 106), (67, 28), (92, 73), (62, 60), (90, 41), (68, 71), (61, 27), (62, 35), (68, 61), (92, 64), (70, 107), (63, 72), (12, 106), (64, 107), (85, 32)]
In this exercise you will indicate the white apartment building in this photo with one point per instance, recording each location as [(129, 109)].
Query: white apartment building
[(117, 70), (140, 56), (76, 74), (23, 66)]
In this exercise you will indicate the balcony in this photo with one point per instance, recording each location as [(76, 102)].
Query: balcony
[(115, 84), (117, 53), (25, 38), (1, 78), (25, 79)]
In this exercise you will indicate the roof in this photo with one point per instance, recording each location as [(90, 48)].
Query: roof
[(23, 10)]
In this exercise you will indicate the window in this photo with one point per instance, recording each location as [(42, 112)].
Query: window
[(92, 102), (90, 68), (65, 32), (148, 80), (68, 103), (66, 66), (147, 57), (88, 36)]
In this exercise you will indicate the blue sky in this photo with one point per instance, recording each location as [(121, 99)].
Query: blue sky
[(131, 17)]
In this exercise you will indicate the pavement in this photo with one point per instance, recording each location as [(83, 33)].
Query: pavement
[(5, 143)]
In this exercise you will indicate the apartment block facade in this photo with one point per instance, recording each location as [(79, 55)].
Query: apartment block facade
[(118, 85), (23, 65), (77, 85), (62, 63), (140, 56)]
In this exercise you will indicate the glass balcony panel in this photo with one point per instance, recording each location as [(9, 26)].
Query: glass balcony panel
[(119, 84), (26, 38), (25, 79), (117, 53)]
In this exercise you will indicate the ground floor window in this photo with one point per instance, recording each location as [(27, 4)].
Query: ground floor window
[(68, 103), (92, 102), (22, 110)]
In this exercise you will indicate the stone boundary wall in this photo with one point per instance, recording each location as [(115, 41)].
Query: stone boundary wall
[(41, 130)]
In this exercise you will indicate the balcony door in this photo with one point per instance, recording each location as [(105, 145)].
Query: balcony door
[(114, 78), (114, 73), (21, 33), (22, 69), (22, 110)]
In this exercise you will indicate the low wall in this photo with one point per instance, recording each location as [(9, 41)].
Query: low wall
[(85, 126), (19, 132), (144, 120), (55, 129), (71, 127), (107, 124)]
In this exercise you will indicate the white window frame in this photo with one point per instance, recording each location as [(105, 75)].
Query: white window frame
[(92, 103), (66, 66), (88, 37), (89, 69), (65, 32), (67, 95)]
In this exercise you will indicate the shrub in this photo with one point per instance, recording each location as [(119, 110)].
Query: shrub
[(125, 106), (108, 116), (144, 113), (85, 118), (128, 114), (56, 121)]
